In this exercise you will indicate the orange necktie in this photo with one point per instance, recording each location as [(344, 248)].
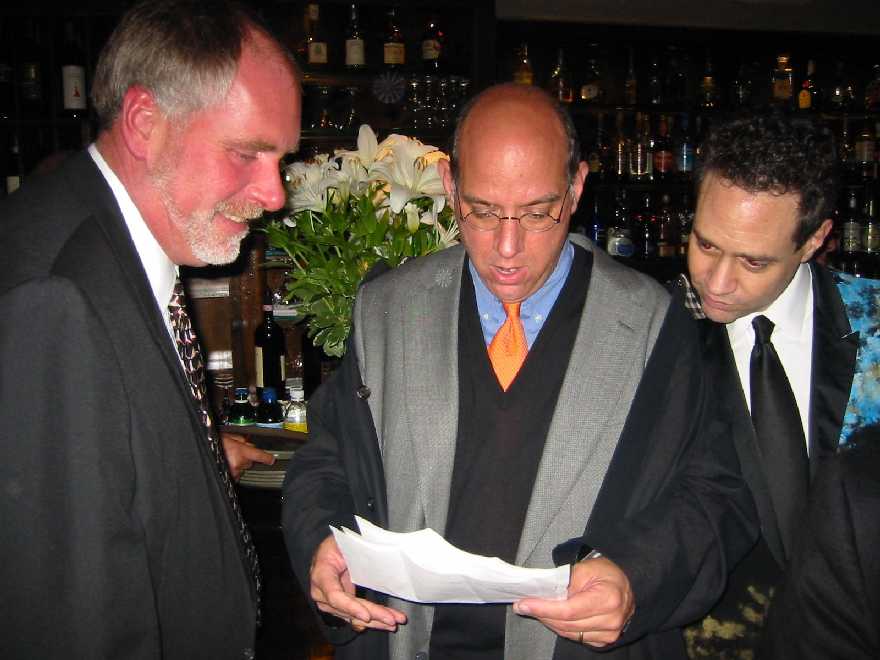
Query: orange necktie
[(508, 349)]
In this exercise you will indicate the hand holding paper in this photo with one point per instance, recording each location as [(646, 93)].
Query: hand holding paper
[(423, 567)]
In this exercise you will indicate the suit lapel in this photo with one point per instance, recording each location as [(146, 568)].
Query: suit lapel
[(835, 348), (603, 369), (430, 362)]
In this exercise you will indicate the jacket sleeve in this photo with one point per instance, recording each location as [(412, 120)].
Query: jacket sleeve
[(73, 561), (336, 475), (689, 516)]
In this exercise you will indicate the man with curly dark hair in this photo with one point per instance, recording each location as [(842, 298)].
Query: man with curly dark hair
[(799, 341)]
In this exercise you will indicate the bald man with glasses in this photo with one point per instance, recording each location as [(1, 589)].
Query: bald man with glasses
[(530, 399)]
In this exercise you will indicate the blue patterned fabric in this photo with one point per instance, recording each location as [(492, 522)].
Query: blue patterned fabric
[(861, 299)]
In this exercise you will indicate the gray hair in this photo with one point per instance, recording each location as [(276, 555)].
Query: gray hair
[(185, 52)]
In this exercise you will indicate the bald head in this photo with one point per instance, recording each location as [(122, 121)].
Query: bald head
[(523, 115)]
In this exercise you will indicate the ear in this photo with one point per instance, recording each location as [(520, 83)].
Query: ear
[(444, 168), (141, 123), (577, 184), (816, 240)]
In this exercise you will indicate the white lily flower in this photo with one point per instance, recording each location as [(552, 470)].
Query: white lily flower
[(409, 174), (412, 217), (308, 185)]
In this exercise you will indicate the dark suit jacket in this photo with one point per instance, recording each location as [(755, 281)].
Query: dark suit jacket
[(829, 603), (834, 358), (673, 510), (118, 541)]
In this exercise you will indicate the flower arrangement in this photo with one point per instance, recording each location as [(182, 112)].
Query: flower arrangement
[(385, 201)]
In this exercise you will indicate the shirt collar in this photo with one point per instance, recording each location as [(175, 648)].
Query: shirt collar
[(789, 311), (160, 270)]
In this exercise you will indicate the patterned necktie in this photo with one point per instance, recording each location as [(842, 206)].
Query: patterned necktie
[(191, 357), (508, 349), (780, 432)]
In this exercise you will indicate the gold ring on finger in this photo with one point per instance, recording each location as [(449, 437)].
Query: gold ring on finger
[(581, 637)]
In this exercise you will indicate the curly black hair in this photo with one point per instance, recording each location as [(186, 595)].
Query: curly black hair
[(779, 155)]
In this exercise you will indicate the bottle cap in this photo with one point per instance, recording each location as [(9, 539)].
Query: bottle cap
[(269, 395)]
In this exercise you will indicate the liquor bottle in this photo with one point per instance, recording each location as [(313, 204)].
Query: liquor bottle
[(433, 42), (708, 88), (655, 82), (676, 83), (620, 238), (852, 230), (316, 41), (73, 75), (664, 158), (559, 84), (393, 46), (808, 97), (269, 350), (741, 88), (619, 161), (7, 74), (269, 412), (872, 92), (592, 89), (241, 413), (355, 53), (685, 220), (596, 230), (14, 166), (645, 229), (597, 155), (863, 152), (631, 84), (846, 149), (782, 79), (871, 234), (30, 77), (840, 94), (667, 229), (684, 149), (641, 164), (522, 71)]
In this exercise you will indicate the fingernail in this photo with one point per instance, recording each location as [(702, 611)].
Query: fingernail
[(521, 609)]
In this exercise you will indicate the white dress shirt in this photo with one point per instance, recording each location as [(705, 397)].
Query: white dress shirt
[(161, 271), (792, 316)]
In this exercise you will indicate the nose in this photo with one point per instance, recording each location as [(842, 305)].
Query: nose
[(266, 188), (509, 237), (720, 279)]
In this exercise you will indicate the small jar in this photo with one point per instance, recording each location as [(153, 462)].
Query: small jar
[(269, 413), (242, 412)]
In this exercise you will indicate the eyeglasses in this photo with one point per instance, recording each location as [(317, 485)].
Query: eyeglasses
[(533, 221)]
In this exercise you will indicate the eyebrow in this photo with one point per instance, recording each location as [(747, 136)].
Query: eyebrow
[(544, 199), (744, 255), (251, 145)]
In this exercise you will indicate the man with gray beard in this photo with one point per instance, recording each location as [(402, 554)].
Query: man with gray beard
[(124, 538)]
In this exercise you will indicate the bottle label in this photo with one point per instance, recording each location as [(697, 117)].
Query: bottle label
[(871, 237), (354, 52), (314, 11), (13, 183), (619, 245), (394, 53), (318, 52), (782, 89), (258, 365), (590, 92), (523, 77), (430, 49), (851, 236), (30, 82), (805, 100), (74, 82), (864, 150)]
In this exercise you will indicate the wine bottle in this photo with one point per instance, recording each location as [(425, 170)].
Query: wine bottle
[(317, 42), (355, 57), (393, 46), (433, 43), (522, 71), (269, 350), (807, 99), (14, 167), (559, 84), (30, 77), (73, 75)]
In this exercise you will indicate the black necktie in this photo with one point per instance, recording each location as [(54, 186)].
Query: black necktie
[(191, 356), (779, 430)]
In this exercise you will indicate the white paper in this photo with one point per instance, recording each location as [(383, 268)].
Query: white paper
[(423, 567)]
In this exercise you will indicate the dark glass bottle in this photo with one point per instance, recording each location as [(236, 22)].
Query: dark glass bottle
[(433, 43), (620, 233), (840, 94), (597, 155), (851, 257), (318, 51), (619, 161), (593, 87), (631, 84), (73, 75), (596, 229), (559, 84), (30, 72), (654, 94), (664, 158), (14, 166), (872, 91), (269, 350), (393, 46), (269, 412), (871, 234), (667, 229), (242, 412), (644, 224), (684, 149), (808, 97), (355, 55), (741, 88)]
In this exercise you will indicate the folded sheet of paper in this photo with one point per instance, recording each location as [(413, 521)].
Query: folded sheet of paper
[(423, 567)]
